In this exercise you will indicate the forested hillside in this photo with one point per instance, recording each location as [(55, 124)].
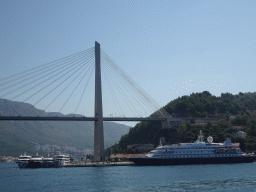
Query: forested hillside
[(230, 110)]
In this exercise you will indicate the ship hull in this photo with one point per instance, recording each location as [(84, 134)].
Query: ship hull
[(59, 163), (48, 164), (34, 164), (144, 161), (22, 164)]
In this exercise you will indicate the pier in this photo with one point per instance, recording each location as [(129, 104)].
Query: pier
[(101, 164)]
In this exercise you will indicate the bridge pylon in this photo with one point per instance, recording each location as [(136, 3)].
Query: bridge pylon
[(98, 114)]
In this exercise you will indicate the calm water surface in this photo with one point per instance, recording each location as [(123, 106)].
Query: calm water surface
[(230, 177)]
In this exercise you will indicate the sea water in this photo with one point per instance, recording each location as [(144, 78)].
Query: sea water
[(221, 177)]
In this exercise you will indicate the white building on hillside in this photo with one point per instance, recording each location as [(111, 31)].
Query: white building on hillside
[(241, 134)]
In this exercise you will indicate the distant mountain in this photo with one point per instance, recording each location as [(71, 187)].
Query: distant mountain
[(19, 136)]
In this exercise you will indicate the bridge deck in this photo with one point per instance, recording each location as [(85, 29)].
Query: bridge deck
[(31, 118), (34, 118)]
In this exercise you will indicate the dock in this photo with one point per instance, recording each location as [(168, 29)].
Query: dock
[(100, 164)]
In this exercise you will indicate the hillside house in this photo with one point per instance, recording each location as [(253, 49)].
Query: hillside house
[(241, 134)]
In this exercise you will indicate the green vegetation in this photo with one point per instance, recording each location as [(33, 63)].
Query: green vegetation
[(231, 110)]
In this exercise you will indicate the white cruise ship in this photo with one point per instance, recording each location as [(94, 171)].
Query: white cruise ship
[(48, 162), (61, 160), (23, 161), (198, 152), (35, 161)]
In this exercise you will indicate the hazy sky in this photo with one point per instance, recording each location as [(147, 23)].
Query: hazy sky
[(170, 48)]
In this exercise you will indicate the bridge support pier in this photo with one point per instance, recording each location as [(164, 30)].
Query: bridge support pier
[(165, 124), (99, 154), (170, 122)]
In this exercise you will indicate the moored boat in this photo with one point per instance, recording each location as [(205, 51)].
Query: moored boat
[(61, 160), (23, 160), (198, 152), (35, 161), (48, 162)]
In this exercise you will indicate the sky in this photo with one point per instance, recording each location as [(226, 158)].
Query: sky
[(169, 48)]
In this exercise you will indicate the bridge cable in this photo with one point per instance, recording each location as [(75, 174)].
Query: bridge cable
[(66, 86), (112, 93), (75, 88), (36, 75), (125, 76), (33, 81), (123, 82), (30, 71), (138, 88), (84, 90), (58, 85), (126, 87), (124, 96), (47, 84)]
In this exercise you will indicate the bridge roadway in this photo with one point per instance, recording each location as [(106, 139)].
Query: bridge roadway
[(170, 121), (38, 118)]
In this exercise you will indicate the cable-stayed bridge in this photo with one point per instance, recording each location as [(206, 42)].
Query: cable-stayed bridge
[(67, 85)]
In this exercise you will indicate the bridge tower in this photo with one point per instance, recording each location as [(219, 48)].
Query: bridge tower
[(98, 124)]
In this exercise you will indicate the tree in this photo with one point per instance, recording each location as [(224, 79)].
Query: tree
[(207, 93), (198, 114), (193, 121), (118, 150), (209, 125), (227, 115), (241, 120), (204, 114)]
